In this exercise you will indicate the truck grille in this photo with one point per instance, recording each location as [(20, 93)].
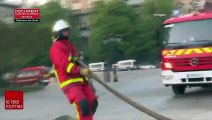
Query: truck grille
[(195, 79), (185, 64), (207, 79)]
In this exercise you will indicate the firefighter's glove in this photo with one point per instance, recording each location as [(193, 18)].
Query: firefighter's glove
[(84, 72), (73, 59)]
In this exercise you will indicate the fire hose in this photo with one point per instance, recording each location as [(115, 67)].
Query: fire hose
[(125, 98)]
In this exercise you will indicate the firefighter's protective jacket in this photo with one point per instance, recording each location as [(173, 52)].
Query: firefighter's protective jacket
[(62, 52)]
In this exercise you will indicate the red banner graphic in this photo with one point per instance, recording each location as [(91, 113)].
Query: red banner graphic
[(14, 100), (27, 15)]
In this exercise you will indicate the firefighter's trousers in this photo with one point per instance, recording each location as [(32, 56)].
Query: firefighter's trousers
[(84, 100)]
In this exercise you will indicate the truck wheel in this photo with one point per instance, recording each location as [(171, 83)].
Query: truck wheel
[(178, 89)]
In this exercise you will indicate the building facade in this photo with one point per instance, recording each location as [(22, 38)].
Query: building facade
[(83, 5), (6, 12)]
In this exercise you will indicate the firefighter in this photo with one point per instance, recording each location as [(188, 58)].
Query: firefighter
[(70, 74)]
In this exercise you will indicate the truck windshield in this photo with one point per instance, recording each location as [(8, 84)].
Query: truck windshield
[(190, 32)]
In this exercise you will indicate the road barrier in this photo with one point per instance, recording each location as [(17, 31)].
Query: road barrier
[(125, 98)]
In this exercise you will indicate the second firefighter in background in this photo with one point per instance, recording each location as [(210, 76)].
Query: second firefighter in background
[(71, 76)]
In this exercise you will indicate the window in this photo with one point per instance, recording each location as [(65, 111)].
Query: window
[(199, 30), (96, 66), (126, 63)]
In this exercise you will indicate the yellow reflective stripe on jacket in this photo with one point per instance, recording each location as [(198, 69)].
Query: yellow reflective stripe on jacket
[(69, 67), (69, 58), (77, 110), (73, 80), (75, 58), (56, 75), (55, 72)]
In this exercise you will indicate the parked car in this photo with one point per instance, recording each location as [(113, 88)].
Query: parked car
[(31, 76)]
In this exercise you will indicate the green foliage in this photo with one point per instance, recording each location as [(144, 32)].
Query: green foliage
[(136, 32), (28, 44), (110, 20), (149, 21), (118, 32)]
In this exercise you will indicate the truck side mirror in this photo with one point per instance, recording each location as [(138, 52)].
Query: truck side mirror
[(159, 37)]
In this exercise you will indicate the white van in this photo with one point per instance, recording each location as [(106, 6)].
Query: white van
[(126, 65), (100, 66)]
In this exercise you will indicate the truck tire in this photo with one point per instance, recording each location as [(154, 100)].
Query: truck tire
[(178, 89)]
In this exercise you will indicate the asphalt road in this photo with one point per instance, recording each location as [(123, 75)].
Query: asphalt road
[(143, 86)]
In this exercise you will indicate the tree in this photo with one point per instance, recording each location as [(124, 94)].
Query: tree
[(111, 22), (118, 32), (28, 44), (152, 14)]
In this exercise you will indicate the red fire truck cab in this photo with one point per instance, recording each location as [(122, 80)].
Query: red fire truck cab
[(187, 51), (31, 76)]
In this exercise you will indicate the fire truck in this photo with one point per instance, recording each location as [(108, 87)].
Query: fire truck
[(187, 51)]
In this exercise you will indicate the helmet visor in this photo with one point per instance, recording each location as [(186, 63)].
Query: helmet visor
[(65, 29)]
